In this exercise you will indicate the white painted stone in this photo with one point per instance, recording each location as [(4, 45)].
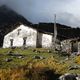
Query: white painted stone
[(46, 41), (18, 39), (30, 33)]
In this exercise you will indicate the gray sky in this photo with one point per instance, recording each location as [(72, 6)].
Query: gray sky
[(67, 11)]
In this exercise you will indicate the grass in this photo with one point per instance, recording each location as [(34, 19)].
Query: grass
[(29, 68)]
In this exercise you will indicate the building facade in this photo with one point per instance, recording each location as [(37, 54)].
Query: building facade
[(70, 45), (28, 37)]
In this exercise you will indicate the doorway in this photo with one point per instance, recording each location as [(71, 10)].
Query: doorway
[(74, 46)]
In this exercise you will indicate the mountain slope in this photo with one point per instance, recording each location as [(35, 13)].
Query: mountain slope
[(9, 20)]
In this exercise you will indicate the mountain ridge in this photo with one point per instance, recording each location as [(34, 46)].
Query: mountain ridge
[(9, 20)]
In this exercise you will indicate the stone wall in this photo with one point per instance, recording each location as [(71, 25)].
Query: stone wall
[(71, 44), (79, 47), (66, 45)]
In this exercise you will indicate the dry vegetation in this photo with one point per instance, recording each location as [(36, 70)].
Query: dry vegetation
[(77, 59), (49, 68)]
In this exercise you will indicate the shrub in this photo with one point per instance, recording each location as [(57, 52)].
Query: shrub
[(77, 60)]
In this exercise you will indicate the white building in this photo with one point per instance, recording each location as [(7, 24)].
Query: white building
[(28, 37)]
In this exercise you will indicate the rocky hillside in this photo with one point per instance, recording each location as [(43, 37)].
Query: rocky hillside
[(9, 20)]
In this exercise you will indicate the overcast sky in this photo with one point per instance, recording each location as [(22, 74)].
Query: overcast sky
[(67, 11)]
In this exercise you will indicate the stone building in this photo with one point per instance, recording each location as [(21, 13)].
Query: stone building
[(70, 45), (27, 37)]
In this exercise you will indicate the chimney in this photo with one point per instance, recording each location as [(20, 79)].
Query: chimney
[(54, 36)]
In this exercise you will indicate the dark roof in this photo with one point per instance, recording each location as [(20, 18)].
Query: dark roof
[(64, 32)]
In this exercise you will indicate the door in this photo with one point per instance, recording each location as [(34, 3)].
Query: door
[(74, 46), (39, 40)]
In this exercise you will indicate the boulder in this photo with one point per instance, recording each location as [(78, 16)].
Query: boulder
[(8, 59), (9, 52), (14, 54), (74, 67), (78, 77), (38, 57), (21, 57), (68, 76), (48, 51)]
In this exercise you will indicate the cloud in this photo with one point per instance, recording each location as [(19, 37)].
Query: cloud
[(68, 11), (68, 19), (2, 2)]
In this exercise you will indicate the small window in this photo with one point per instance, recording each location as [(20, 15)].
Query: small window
[(19, 31), (11, 42), (24, 41)]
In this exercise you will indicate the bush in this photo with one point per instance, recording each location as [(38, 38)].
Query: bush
[(77, 60)]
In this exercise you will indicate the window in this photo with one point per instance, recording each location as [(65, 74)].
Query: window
[(19, 31), (11, 42), (24, 41)]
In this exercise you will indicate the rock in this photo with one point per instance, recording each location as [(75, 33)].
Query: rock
[(9, 52), (38, 51), (41, 51), (21, 57), (68, 76), (66, 59), (74, 67), (42, 57), (8, 60), (17, 54), (48, 51), (34, 50), (38, 57), (78, 53), (14, 54), (74, 53), (78, 77)]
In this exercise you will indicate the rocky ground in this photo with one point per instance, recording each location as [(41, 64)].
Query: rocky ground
[(36, 64)]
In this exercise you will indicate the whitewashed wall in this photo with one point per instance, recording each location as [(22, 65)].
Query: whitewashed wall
[(46, 41), (31, 35), (18, 39)]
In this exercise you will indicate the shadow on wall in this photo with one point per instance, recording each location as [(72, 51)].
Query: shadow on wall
[(39, 40)]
